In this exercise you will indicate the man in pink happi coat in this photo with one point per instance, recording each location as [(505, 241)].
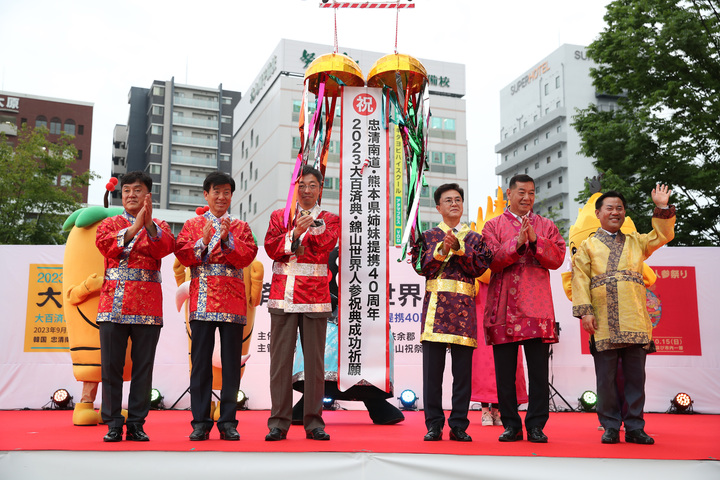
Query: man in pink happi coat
[(519, 309)]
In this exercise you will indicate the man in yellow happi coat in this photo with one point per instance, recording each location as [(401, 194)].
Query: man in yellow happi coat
[(609, 297)]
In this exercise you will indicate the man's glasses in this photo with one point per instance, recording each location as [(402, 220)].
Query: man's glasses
[(312, 187), (450, 201)]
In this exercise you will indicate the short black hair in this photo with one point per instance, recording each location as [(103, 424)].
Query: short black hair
[(521, 178), (446, 187), (610, 194), (215, 179), (308, 170), (136, 176)]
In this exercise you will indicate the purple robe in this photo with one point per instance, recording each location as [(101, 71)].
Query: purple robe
[(519, 302)]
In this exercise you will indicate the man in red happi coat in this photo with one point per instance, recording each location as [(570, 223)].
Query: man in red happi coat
[(133, 245), (216, 247), (519, 308), (300, 299)]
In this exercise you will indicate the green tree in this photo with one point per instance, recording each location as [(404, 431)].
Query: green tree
[(32, 205), (661, 58)]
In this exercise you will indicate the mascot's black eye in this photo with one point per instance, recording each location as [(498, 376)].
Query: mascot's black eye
[(574, 250)]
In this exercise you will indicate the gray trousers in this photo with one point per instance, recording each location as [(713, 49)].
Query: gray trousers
[(283, 336)]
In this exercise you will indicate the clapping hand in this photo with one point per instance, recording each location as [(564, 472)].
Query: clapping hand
[(450, 242), (527, 232)]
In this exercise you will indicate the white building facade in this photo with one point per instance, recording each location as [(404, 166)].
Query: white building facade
[(266, 139), (537, 139)]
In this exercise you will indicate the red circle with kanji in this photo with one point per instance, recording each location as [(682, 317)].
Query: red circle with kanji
[(364, 104)]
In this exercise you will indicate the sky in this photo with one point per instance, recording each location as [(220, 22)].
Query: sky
[(95, 50)]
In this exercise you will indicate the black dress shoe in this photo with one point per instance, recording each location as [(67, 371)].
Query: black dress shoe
[(136, 433), (317, 434), (114, 435), (459, 435), (275, 435), (639, 436), (229, 433), (536, 435), (434, 434), (199, 433), (511, 434), (611, 435)]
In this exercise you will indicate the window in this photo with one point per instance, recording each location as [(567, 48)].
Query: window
[(225, 138), (547, 89), (70, 127), (549, 184), (224, 157), (41, 122), (557, 82), (547, 160), (436, 123), (437, 157), (558, 129), (297, 105), (550, 209), (535, 142), (425, 192), (557, 104), (560, 179), (526, 170), (328, 183), (534, 118), (537, 165), (156, 129), (155, 169), (547, 110), (81, 129), (449, 124), (157, 149), (514, 130), (525, 124), (560, 154), (65, 180), (225, 119), (158, 110), (515, 153), (227, 100), (155, 189), (506, 157), (160, 91), (449, 159), (525, 147), (560, 205), (547, 135)]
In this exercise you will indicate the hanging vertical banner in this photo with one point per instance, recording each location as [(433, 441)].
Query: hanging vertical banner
[(397, 187), (45, 327), (363, 269)]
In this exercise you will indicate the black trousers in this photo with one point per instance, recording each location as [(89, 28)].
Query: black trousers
[(609, 406), (433, 367), (201, 350), (113, 345), (536, 357)]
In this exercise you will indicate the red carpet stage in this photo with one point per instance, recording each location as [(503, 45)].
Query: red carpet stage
[(32, 442)]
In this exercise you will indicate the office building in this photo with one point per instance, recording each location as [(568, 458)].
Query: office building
[(58, 116), (266, 139), (536, 134), (177, 134)]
